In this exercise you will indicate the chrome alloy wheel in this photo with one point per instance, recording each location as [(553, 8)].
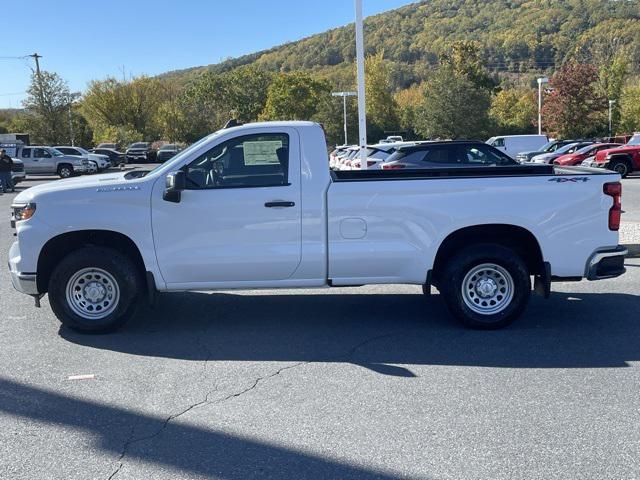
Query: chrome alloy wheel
[(487, 289), (92, 293)]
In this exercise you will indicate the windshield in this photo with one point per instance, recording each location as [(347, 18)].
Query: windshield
[(168, 146), (138, 145), (82, 151), (635, 140), (548, 146), (381, 154), (186, 152), (566, 148), (56, 153), (584, 150)]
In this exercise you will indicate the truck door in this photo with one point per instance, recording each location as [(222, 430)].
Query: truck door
[(27, 159), (239, 219), (43, 161)]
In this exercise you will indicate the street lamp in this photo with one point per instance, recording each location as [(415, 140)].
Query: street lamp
[(611, 104), (344, 96), (541, 81), (70, 98)]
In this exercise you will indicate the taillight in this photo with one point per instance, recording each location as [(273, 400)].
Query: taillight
[(614, 190), (397, 166)]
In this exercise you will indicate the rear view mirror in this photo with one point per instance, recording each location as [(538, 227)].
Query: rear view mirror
[(175, 183)]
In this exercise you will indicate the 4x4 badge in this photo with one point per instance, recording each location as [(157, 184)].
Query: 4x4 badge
[(569, 179)]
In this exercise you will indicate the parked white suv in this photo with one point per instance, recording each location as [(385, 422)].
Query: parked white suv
[(256, 206), (101, 162)]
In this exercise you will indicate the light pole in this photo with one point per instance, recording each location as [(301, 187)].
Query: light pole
[(344, 96), (362, 110), (71, 98), (611, 104), (541, 81)]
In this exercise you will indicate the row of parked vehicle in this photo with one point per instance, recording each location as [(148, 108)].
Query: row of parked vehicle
[(67, 161), (612, 153)]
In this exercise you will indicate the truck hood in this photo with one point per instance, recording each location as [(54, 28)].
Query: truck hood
[(78, 183)]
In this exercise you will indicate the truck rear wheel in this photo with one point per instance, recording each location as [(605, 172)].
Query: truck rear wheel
[(486, 286), (94, 290)]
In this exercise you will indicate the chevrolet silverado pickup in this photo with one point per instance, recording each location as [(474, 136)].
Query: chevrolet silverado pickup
[(257, 207)]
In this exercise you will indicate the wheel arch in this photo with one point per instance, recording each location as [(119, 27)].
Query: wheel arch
[(62, 245), (515, 237)]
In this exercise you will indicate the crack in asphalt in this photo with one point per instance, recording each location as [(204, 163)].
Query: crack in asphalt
[(131, 440)]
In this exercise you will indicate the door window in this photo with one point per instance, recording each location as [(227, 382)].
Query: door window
[(26, 153), (480, 155), (260, 160), (41, 153), (498, 142)]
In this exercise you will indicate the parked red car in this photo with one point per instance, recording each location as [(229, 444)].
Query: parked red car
[(577, 157), (624, 159)]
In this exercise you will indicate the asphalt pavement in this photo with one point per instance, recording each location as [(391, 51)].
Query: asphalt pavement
[(374, 382)]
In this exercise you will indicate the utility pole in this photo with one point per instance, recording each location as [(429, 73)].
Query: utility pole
[(36, 57), (362, 110)]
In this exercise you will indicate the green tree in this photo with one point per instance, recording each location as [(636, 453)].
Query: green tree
[(409, 101), (46, 109), (465, 61), (112, 105), (576, 107), (382, 109), (630, 108), (453, 107), (514, 111), (294, 96), (215, 98), (612, 76)]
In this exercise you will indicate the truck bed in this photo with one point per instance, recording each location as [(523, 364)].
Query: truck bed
[(463, 172)]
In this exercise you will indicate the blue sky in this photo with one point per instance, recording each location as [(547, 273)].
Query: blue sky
[(85, 40)]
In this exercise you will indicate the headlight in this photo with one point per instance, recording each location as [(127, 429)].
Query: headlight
[(23, 211)]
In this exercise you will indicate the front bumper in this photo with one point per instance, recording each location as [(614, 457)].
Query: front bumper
[(23, 282), (606, 263)]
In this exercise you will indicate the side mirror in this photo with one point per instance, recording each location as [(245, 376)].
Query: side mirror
[(175, 183)]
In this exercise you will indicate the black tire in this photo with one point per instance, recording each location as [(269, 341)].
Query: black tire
[(65, 171), (121, 269), (620, 165), (506, 260)]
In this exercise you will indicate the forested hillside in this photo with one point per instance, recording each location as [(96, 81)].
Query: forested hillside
[(435, 69), (514, 36)]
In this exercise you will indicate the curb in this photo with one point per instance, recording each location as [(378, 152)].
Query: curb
[(634, 250)]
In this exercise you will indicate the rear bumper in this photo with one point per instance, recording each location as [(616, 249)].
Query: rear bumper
[(607, 263)]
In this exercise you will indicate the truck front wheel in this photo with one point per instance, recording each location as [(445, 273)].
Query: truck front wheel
[(65, 171), (621, 166), (486, 286), (94, 290)]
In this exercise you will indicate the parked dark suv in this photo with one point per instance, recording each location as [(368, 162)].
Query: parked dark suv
[(167, 151), (140, 152), (447, 154), (115, 157)]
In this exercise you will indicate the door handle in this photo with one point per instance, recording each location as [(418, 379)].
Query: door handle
[(279, 204)]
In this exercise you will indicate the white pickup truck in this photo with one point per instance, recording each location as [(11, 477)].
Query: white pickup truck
[(256, 206)]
